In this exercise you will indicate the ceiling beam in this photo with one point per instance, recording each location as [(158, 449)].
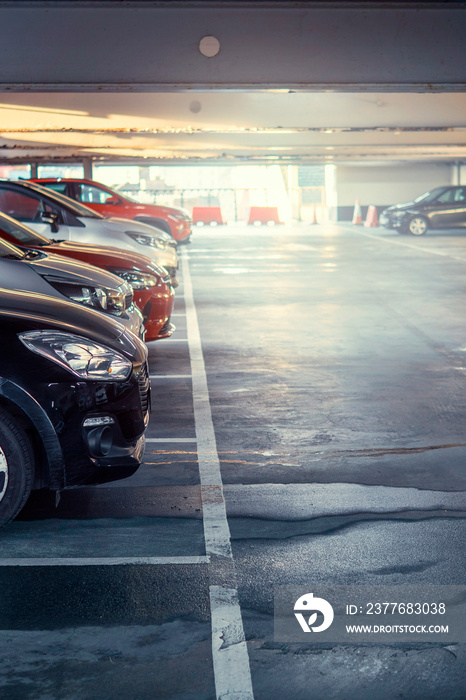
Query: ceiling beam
[(146, 46)]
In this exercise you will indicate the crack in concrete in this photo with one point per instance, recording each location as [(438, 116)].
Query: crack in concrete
[(244, 529)]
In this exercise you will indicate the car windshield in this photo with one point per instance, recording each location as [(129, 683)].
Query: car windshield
[(8, 250), (20, 232), (75, 207), (127, 197), (431, 195)]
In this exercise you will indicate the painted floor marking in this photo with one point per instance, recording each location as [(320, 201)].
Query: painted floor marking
[(167, 439), (229, 649), (103, 561), (170, 376), (412, 247)]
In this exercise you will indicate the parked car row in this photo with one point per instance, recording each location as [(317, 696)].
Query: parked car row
[(74, 315), (45, 211), (108, 202), (151, 284)]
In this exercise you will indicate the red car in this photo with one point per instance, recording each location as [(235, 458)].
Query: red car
[(110, 203), (153, 292)]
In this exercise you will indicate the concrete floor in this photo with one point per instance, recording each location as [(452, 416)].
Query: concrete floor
[(336, 366)]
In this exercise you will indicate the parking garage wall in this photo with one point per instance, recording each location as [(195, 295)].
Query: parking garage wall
[(385, 185)]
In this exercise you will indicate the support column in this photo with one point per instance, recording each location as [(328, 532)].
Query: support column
[(87, 166), (34, 169)]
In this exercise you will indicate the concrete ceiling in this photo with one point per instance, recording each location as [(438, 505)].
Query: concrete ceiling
[(301, 82), (232, 127)]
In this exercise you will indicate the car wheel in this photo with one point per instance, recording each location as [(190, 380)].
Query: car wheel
[(16, 467), (417, 226)]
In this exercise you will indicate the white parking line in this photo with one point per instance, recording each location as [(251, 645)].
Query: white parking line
[(167, 439), (229, 650), (103, 561), (432, 251), (169, 376)]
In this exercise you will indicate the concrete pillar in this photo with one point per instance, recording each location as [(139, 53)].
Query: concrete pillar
[(87, 166), (33, 167)]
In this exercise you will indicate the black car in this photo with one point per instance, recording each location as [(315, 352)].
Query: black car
[(442, 207), (74, 398)]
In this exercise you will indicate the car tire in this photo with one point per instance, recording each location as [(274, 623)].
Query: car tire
[(158, 223), (417, 226), (16, 467)]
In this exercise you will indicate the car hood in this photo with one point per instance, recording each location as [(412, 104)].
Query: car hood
[(122, 225), (39, 311), (157, 209), (76, 271), (404, 206), (103, 255)]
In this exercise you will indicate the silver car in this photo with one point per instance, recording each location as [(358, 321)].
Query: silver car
[(42, 273), (57, 216)]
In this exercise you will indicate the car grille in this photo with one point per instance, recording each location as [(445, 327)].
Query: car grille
[(144, 388), (128, 300)]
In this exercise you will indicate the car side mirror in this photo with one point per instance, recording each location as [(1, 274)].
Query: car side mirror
[(112, 200), (51, 217)]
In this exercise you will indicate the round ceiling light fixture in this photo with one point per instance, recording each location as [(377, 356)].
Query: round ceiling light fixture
[(209, 46)]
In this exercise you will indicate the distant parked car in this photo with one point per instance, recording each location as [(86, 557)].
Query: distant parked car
[(74, 398), (442, 207), (108, 202), (37, 272), (152, 289), (49, 212)]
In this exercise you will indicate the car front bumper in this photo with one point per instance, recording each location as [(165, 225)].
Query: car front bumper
[(156, 305), (100, 428)]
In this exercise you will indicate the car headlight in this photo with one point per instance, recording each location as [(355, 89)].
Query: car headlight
[(147, 240), (181, 214), (81, 356), (138, 280), (118, 301), (114, 301)]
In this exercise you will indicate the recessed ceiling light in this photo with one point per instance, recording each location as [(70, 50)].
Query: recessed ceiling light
[(209, 46)]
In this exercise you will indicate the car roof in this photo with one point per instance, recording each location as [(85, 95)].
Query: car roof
[(75, 207)]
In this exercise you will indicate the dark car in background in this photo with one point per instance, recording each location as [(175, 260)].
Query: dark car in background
[(74, 398), (442, 207), (152, 288)]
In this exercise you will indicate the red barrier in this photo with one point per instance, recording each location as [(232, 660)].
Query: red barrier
[(263, 215), (207, 215)]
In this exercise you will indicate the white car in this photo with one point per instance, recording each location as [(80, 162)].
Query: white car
[(60, 217)]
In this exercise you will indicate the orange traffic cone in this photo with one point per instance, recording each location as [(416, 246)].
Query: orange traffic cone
[(372, 218), (357, 216), (314, 215)]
